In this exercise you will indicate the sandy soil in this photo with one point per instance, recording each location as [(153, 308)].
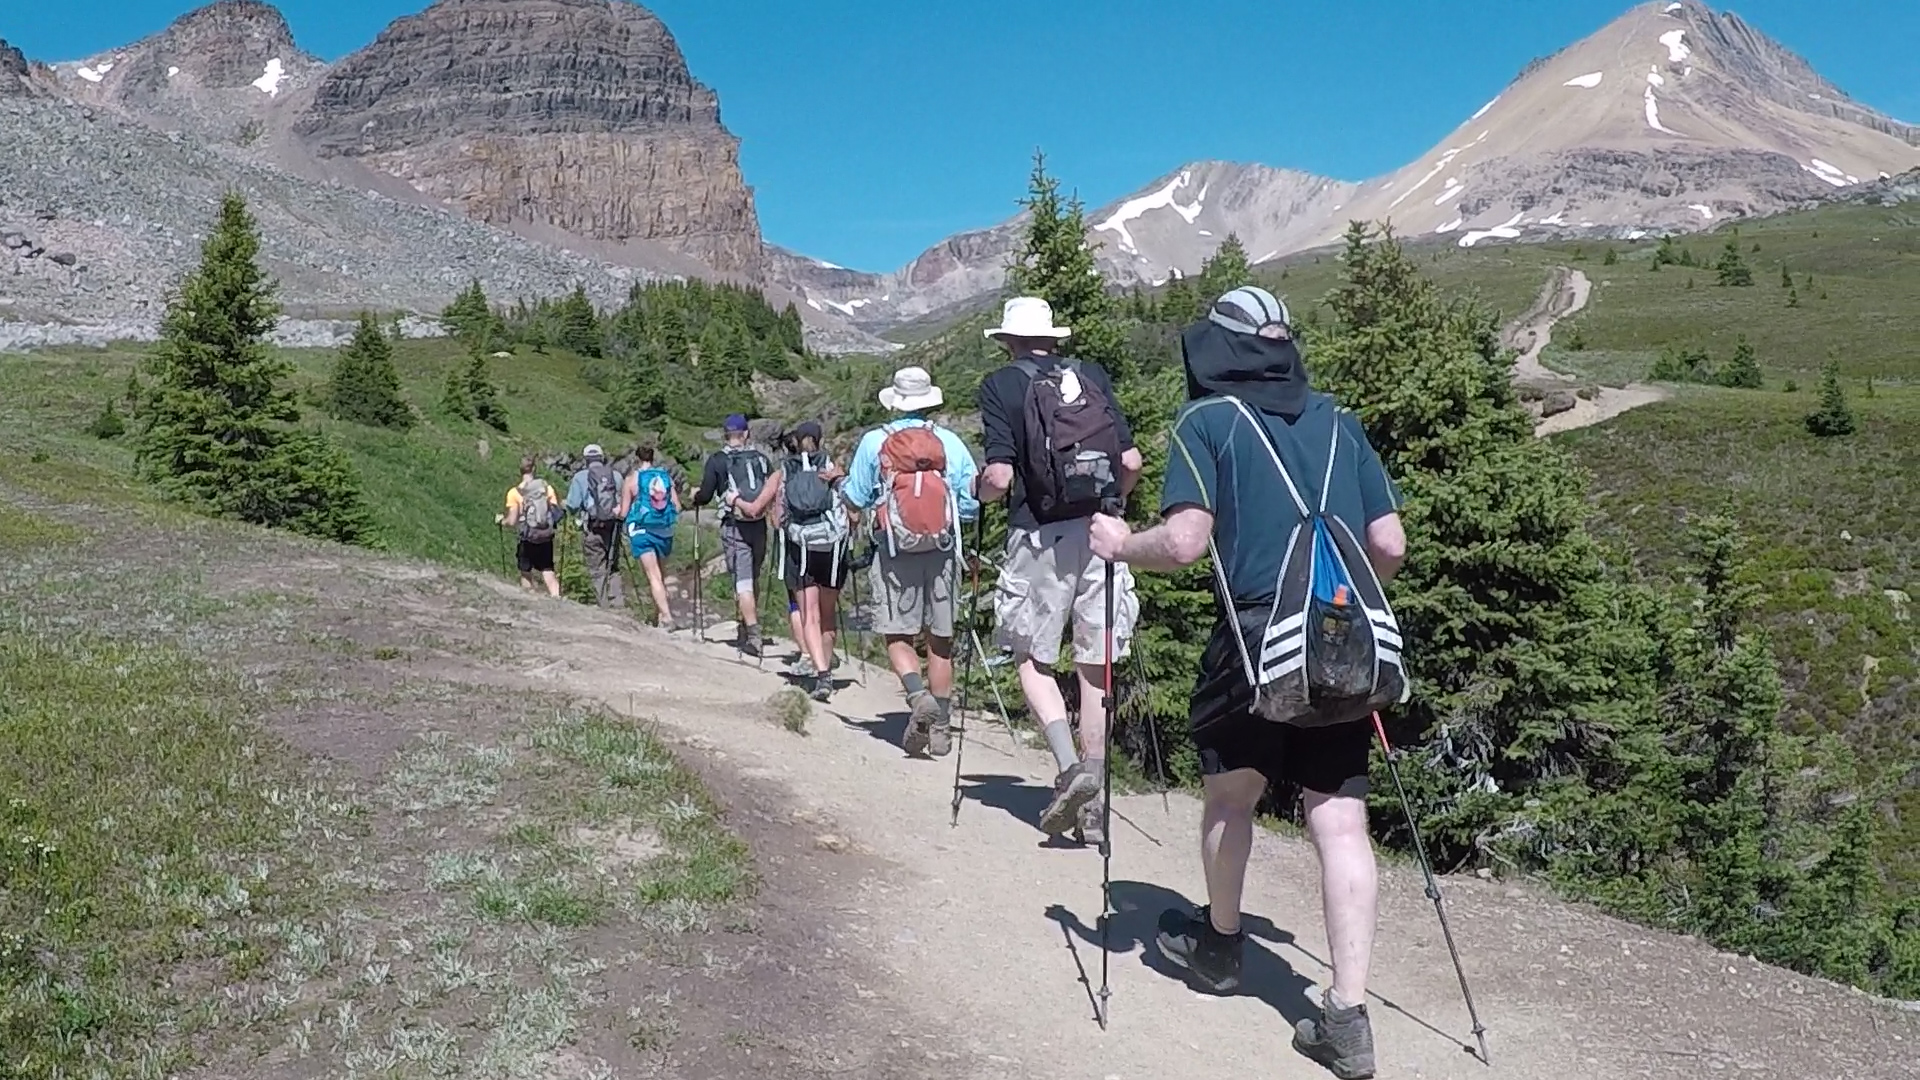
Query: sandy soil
[(1563, 297)]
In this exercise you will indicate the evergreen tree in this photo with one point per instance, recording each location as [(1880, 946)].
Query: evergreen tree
[(1793, 297), (1227, 268), (1834, 417), (1182, 304), (1786, 279), (213, 430), (1732, 268), (107, 425), (1742, 371), (579, 324), (365, 386), (471, 317), (1667, 254), (477, 386), (454, 399), (1612, 257), (1517, 678), (1057, 264)]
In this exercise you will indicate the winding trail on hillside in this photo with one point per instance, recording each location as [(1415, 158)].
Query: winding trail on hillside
[(1564, 296), (986, 930)]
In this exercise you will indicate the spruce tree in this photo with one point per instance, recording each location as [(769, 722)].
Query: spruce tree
[(1834, 417), (1612, 257), (579, 324), (477, 392), (1515, 675), (1742, 371), (365, 386), (213, 429), (1227, 268), (1057, 265), (454, 399), (109, 424), (1732, 268), (1786, 279), (471, 317)]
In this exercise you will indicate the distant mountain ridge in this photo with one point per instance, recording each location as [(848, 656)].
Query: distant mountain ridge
[(1671, 118)]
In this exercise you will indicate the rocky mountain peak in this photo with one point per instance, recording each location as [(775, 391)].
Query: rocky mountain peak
[(226, 45), (1771, 70), (579, 115), (14, 70)]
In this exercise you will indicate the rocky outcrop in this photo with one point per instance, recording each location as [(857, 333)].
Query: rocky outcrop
[(14, 70), (1652, 190), (227, 45), (1763, 66), (574, 114)]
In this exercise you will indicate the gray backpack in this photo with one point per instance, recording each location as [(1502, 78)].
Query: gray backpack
[(812, 515)]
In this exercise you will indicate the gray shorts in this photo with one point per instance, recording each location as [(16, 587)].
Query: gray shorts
[(912, 592), (1052, 578), (744, 544)]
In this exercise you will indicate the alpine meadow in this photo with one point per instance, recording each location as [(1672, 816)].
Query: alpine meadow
[(303, 772)]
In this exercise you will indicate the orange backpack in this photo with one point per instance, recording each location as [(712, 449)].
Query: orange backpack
[(917, 510)]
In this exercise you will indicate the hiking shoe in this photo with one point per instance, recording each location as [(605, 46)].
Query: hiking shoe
[(920, 721), (940, 737), (822, 687), (1076, 786), (1089, 831), (1211, 956), (1341, 1039), (802, 668)]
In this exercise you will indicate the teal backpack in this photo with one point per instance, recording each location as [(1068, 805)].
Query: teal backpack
[(652, 510)]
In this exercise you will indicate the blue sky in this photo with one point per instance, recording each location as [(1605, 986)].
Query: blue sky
[(873, 129)]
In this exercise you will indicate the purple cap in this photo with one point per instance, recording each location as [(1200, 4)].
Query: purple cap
[(736, 422)]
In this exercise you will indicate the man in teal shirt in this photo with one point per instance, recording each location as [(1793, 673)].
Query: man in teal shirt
[(917, 529)]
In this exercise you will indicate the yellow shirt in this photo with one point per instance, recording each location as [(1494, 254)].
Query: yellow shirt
[(514, 500)]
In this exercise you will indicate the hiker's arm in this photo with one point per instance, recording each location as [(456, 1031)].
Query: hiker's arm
[(712, 479), (860, 489), (1131, 466), (1177, 542), (965, 475), (674, 494), (629, 488), (769, 491), (1386, 546), (996, 429), (576, 493), (513, 510)]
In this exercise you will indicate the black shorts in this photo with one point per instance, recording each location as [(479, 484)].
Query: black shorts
[(1230, 736), (534, 557), (803, 569)]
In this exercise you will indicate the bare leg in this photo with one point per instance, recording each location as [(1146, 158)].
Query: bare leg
[(940, 666), (1042, 693), (657, 585), (812, 643), (529, 581), (1226, 840), (1093, 715), (829, 601), (902, 655), (553, 583), (1349, 888)]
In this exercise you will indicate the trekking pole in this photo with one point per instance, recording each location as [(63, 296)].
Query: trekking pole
[(1106, 805), (500, 537), (699, 605), (1433, 888), (966, 670)]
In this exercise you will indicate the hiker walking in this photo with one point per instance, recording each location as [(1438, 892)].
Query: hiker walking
[(533, 512), (650, 508), (594, 494), (738, 476), (913, 480), (813, 540), (1274, 479), (1059, 448)]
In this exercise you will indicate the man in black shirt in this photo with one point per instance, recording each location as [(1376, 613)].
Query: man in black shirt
[(1051, 578)]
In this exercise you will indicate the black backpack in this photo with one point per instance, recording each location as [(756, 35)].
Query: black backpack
[(1328, 649), (1072, 448), (747, 471), (603, 494)]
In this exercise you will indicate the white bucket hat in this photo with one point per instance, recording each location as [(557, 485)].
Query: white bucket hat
[(912, 390), (1027, 317)]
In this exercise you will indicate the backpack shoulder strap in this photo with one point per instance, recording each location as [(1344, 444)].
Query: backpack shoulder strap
[(1273, 451)]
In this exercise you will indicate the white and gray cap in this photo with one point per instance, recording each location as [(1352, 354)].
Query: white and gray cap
[(1248, 308)]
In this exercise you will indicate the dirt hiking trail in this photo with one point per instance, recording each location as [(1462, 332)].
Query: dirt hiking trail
[(1564, 296), (987, 930)]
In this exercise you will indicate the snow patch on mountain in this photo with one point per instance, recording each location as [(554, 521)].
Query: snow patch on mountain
[(1508, 231), (1453, 191), (1654, 78), (269, 81), (94, 73), (1165, 197), (1653, 114), (1483, 109), (1704, 210), (1832, 174), (1588, 81), (1675, 41), (1451, 225)]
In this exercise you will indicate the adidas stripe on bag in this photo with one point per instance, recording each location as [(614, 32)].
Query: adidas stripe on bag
[(1328, 649)]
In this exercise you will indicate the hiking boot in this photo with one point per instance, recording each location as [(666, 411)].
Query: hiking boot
[(1341, 1039), (940, 737), (749, 643), (822, 688), (1076, 786), (926, 712), (802, 668), (1211, 956), (1089, 831)]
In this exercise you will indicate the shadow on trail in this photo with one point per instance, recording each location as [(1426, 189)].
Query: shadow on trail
[(1137, 908), (889, 727), (1263, 975), (1019, 798)]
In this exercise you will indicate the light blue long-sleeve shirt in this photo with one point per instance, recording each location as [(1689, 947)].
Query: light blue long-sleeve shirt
[(862, 486), (577, 498)]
